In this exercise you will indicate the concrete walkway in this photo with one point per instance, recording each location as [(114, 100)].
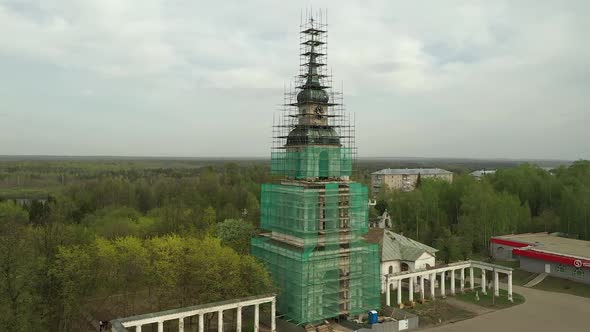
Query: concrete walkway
[(542, 311), (476, 309), (536, 280)]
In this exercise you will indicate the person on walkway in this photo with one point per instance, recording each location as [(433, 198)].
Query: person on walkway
[(101, 325)]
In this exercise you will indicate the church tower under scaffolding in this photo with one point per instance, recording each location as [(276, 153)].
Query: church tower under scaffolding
[(316, 217)]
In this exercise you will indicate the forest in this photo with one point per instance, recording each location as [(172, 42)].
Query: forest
[(123, 237), (118, 239)]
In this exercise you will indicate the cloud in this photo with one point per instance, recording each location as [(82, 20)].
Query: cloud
[(461, 79)]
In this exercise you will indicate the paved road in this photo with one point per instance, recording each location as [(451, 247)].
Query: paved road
[(542, 311)]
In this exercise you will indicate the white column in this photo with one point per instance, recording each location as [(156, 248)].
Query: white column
[(432, 284), (462, 280), (256, 317), (496, 284), (442, 284), (138, 328), (239, 319), (161, 326), (422, 287), (201, 323), (483, 281), (273, 320), (452, 282), (399, 291), (181, 324), (388, 295), (471, 279), (411, 290), (510, 286)]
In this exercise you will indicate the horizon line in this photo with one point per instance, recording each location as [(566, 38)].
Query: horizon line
[(57, 156)]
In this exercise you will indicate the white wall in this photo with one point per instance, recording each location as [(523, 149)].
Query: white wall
[(424, 261), (395, 265), (421, 263)]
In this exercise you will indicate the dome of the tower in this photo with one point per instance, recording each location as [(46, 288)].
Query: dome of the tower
[(307, 135), (312, 96)]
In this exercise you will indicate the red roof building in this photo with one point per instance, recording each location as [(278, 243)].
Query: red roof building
[(545, 253)]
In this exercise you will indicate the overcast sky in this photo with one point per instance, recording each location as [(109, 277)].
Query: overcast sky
[(474, 79)]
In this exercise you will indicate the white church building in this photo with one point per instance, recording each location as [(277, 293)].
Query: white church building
[(399, 253)]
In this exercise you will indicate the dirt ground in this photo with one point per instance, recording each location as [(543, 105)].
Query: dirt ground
[(542, 311)]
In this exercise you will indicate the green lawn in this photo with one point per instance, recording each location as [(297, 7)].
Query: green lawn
[(559, 285), (488, 300)]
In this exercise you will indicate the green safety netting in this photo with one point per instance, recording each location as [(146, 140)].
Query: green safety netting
[(290, 210), (319, 278), (313, 161)]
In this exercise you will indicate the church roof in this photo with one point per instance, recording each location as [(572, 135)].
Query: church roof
[(393, 246)]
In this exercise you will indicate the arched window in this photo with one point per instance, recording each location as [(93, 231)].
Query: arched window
[(405, 267), (390, 269)]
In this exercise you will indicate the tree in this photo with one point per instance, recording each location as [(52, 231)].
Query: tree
[(209, 220), (419, 181), (38, 212), (547, 221), (131, 261), (485, 213), (449, 247), (74, 271), (530, 183), (16, 267), (113, 222), (236, 233), (380, 206)]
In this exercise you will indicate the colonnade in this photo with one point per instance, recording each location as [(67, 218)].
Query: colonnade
[(430, 275), (121, 325)]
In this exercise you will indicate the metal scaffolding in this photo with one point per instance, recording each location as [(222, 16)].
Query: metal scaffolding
[(293, 162), (316, 217)]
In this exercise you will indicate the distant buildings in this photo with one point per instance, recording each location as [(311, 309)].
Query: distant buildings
[(545, 253), (405, 178), (482, 172)]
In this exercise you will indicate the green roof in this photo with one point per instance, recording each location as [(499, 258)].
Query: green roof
[(395, 246)]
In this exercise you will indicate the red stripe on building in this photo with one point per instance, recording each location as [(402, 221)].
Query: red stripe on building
[(531, 253), (509, 243)]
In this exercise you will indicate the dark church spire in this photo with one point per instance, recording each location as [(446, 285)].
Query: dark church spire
[(313, 90)]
